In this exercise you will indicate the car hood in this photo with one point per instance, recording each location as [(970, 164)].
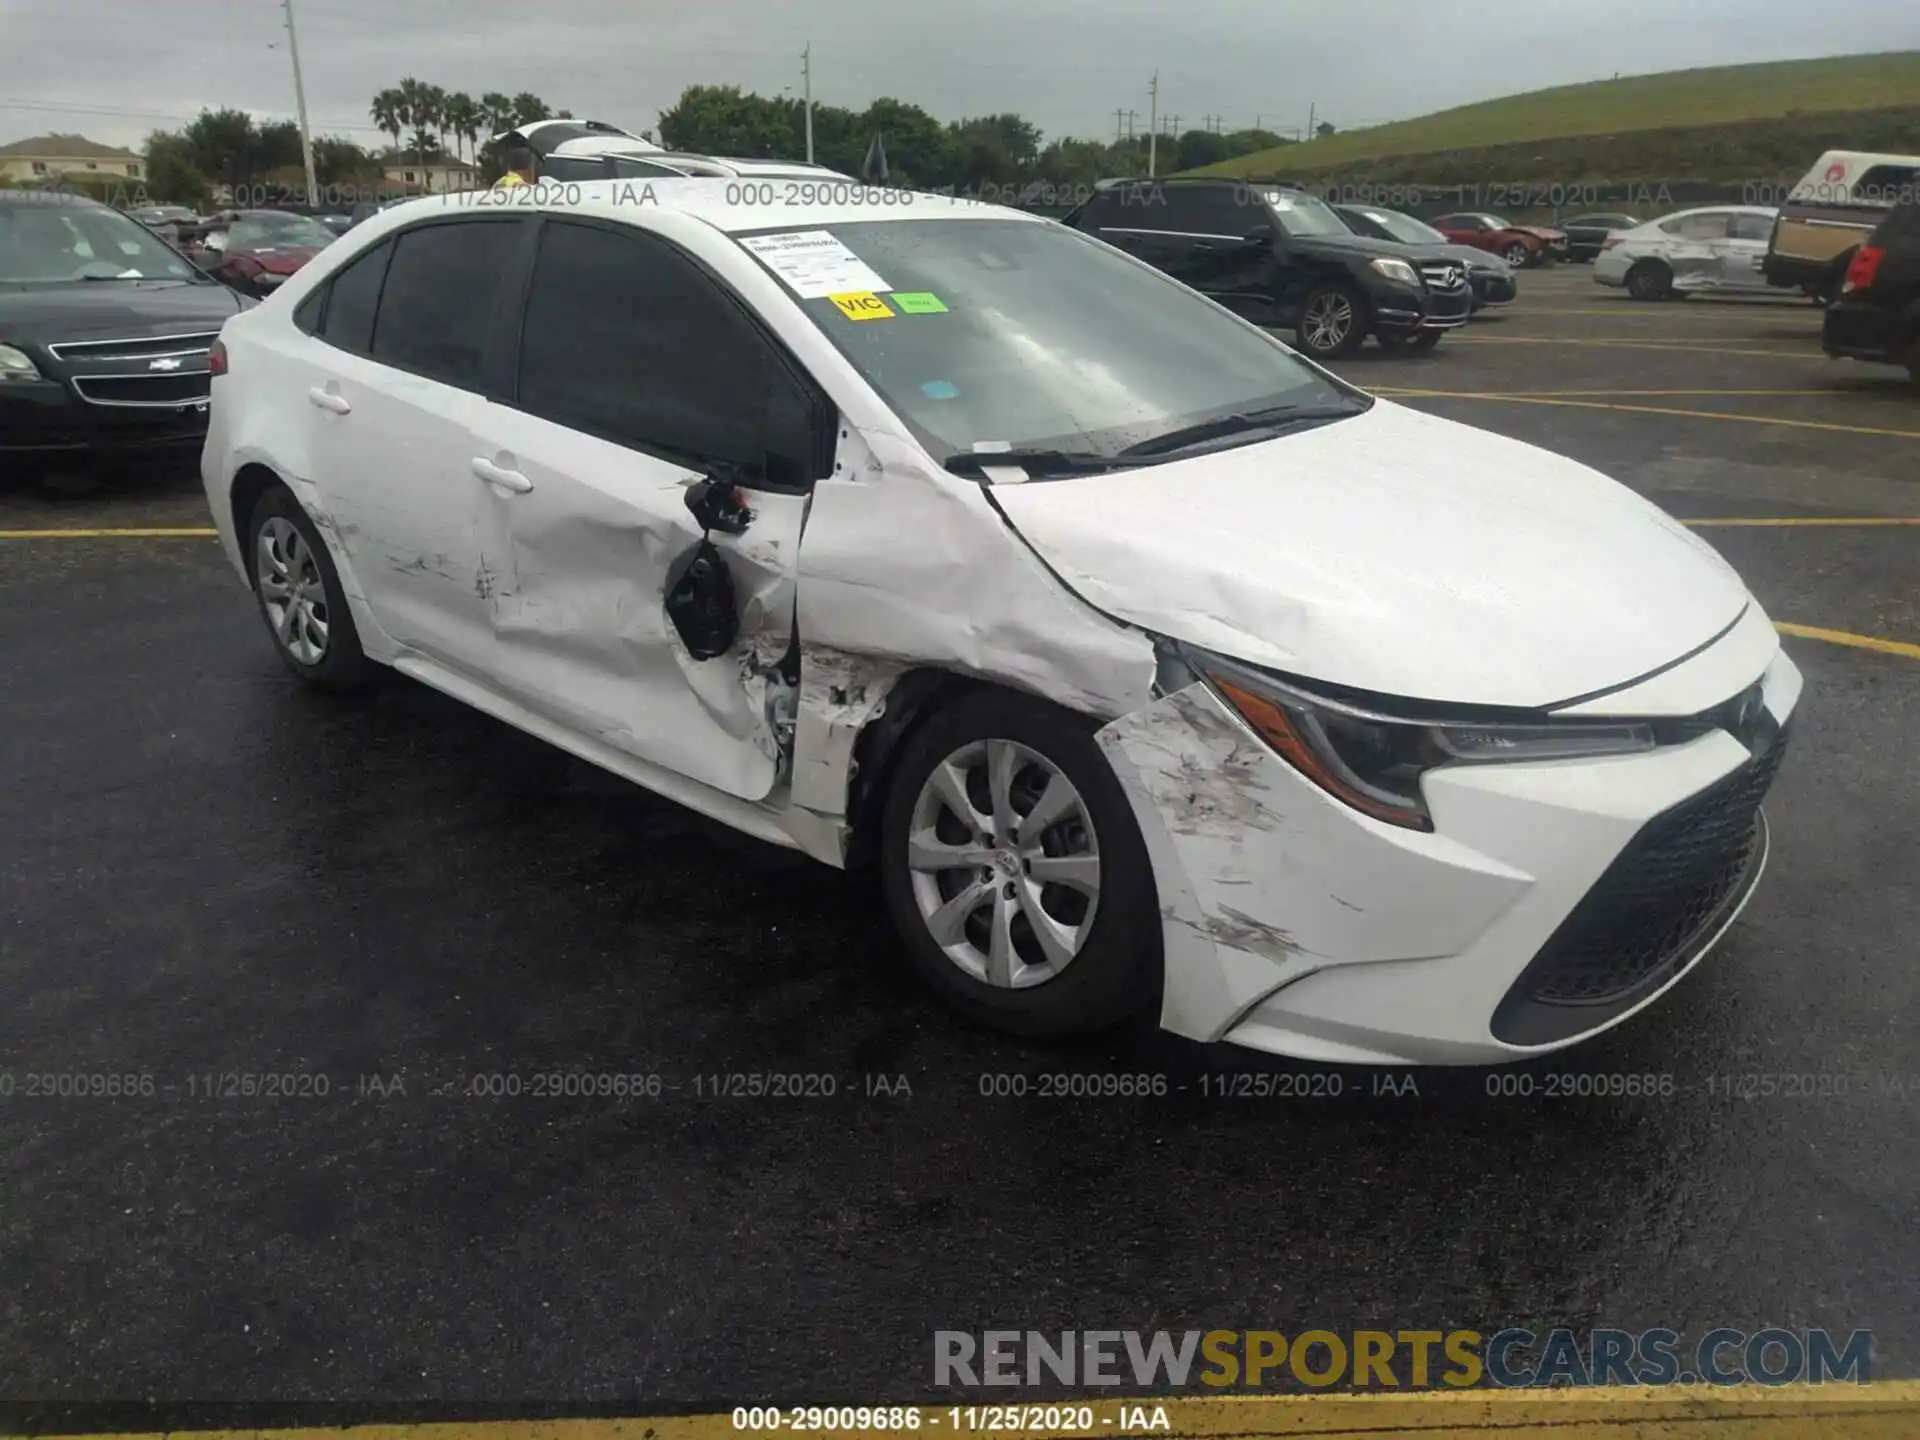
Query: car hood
[(279, 259), (1543, 232), (1394, 552), (1473, 259), (113, 309), (1367, 245)]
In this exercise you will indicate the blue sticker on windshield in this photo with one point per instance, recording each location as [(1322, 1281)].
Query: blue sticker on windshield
[(940, 390)]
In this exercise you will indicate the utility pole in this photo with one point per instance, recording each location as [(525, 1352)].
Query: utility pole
[(1313, 109), (1132, 115), (1173, 127), (1119, 120), (300, 99), (806, 72), (1153, 124)]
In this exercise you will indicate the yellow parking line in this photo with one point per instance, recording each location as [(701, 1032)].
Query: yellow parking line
[(1888, 1409), (1521, 398), (1847, 637), (157, 533)]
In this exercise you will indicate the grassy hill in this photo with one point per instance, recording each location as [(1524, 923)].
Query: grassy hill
[(1678, 100)]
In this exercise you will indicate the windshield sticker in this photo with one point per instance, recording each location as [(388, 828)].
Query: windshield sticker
[(814, 264), (862, 305), (939, 389), (919, 302)]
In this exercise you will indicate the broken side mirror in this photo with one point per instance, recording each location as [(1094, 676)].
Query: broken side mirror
[(700, 602)]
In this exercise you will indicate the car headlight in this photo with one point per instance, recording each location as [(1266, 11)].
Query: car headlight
[(1397, 270), (1374, 761), (16, 365)]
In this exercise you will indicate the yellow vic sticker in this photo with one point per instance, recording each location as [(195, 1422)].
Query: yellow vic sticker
[(862, 305)]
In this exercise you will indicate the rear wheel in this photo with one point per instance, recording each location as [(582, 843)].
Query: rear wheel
[(1650, 280), (300, 596), (1332, 322), (1015, 872)]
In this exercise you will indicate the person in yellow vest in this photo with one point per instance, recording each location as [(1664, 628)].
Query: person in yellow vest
[(520, 167)]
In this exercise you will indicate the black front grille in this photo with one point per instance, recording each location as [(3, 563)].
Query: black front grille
[(1444, 275), (182, 389), (1664, 894)]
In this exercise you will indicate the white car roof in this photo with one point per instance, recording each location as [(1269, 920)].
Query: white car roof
[(707, 198), (590, 145)]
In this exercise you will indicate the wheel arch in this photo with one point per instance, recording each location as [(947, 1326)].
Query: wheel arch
[(253, 480), (914, 698)]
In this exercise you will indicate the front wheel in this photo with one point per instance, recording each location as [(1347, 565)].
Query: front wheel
[(1332, 322), (1517, 255), (300, 596), (1015, 872), (1650, 280), (1420, 342)]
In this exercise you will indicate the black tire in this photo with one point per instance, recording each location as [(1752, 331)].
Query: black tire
[(1117, 971), (1421, 342), (1650, 280), (1328, 341), (1518, 255), (342, 666)]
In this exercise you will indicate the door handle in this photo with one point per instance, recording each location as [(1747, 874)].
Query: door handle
[(330, 400), (498, 475), (1205, 245)]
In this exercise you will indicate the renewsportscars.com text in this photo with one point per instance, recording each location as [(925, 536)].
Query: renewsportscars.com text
[(1418, 1359)]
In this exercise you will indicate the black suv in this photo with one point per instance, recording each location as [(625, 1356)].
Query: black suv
[(1877, 315), (105, 332), (1279, 256)]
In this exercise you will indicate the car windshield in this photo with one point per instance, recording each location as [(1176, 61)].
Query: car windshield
[(1405, 228), (989, 335), (44, 243), (265, 232), (1303, 214), (1495, 222)]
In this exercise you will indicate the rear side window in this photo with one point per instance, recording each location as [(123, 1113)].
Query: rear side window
[(353, 296), (1707, 225), (1229, 210), (573, 167), (441, 295), (628, 339)]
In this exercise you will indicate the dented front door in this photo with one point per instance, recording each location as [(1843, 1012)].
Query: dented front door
[(577, 553)]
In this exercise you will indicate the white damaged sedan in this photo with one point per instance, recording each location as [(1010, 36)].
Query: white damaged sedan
[(1155, 666)]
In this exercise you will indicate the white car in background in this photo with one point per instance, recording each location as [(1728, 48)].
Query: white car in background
[(1717, 247), (1157, 667)]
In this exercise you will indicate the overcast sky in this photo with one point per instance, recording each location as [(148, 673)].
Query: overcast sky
[(116, 69)]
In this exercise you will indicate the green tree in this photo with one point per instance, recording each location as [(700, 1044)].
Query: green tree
[(465, 119), (919, 150), (172, 176), (529, 107), (219, 142), (1197, 148)]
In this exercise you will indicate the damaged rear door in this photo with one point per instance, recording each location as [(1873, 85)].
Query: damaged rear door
[(640, 381)]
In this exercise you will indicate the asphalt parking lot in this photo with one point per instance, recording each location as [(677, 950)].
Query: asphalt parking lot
[(207, 872)]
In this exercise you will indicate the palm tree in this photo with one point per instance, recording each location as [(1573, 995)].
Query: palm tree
[(386, 114), (498, 109), (416, 112), (437, 114), (528, 107), (464, 119)]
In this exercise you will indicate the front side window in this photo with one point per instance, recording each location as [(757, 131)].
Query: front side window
[(1215, 210), (629, 339), (440, 296), (1751, 227), (992, 333), (43, 243)]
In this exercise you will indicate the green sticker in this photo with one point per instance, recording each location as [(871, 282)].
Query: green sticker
[(919, 302)]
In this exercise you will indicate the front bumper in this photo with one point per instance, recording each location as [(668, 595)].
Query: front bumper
[(47, 418), (1490, 288), (1405, 310), (1294, 924), (1857, 329)]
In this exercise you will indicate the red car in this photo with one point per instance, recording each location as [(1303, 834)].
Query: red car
[(254, 251), (1518, 245)]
